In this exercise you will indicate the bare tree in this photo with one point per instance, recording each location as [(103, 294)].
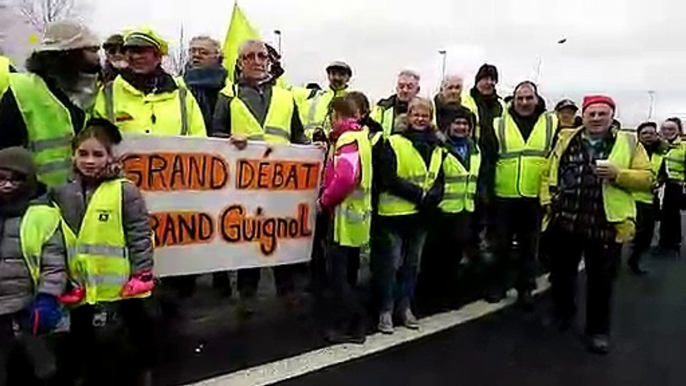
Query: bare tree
[(41, 12), (177, 59)]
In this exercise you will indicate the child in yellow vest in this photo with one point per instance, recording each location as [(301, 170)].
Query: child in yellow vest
[(32, 269), (346, 196), (108, 232)]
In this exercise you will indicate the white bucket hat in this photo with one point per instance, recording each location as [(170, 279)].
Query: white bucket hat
[(66, 36)]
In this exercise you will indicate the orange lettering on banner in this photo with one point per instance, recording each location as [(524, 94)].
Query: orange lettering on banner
[(165, 172), (182, 228), (276, 175), (238, 227)]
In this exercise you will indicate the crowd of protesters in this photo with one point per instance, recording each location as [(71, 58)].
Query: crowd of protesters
[(431, 190)]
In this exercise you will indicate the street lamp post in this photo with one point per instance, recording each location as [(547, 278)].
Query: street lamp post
[(444, 54), (651, 107), (278, 40)]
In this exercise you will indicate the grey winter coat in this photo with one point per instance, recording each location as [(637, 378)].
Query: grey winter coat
[(73, 199), (16, 285)]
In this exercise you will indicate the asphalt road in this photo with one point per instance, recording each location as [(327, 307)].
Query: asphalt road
[(515, 348)]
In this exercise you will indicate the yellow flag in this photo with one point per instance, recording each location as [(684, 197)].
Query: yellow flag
[(240, 31)]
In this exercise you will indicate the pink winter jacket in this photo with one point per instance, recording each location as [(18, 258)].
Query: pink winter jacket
[(342, 171)]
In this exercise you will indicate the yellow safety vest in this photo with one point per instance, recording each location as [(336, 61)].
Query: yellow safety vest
[(354, 215), (374, 138), (409, 166), (460, 183), (37, 227), (619, 204), (469, 102), (675, 160), (277, 124), (315, 111), (165, 114), (386, 118), (49, 127), (656, 163), (4, 74), (521, 164), (97, 254), (301, 95)]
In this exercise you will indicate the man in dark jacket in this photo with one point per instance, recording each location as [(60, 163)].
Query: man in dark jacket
[(387, 110), (524, 136), (204, 75), (115, 58), (449, 97)]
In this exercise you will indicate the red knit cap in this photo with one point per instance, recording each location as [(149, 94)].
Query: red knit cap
[(594, 99)]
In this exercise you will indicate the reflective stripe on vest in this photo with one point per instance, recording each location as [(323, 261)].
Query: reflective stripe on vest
[(49, 127), (37, 227), (108, 92), (619, 203), (410, 166), (521, 164), (352, 222), (97, 255), (277, 124), (460, 183)]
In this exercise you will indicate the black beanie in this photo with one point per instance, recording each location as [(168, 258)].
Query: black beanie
[(452, 112), (19, 160), (485, 71), (644, 125)]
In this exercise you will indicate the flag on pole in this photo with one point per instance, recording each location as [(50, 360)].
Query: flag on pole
[(240, 31)]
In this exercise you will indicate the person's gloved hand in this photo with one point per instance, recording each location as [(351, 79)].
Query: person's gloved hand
[(432, 198), (44, 314), (74, 296), (139, 284)]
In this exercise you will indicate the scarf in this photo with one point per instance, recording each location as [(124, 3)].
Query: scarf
[(205, 84)]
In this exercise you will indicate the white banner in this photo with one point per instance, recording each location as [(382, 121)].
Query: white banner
[(216, 208)]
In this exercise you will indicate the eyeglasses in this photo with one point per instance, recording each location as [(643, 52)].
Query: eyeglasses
[(254, 56)]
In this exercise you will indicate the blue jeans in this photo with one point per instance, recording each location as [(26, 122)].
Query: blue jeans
[(401, 249)]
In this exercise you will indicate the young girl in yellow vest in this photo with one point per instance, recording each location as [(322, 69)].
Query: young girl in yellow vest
[(108, 232), (346, 196), (411, 185), (32, 268)]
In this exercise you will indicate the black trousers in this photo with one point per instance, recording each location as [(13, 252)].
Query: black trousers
[(646, 215), (138, 324), (451, 238), (249, 279), (7, 345), (348, 313), (515, 219), (602, 260), (33, 351), (670, 220)]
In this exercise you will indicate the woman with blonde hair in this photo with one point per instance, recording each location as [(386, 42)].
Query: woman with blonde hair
[(411, 187)]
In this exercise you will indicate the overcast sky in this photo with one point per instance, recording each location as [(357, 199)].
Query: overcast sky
[(621, 47)]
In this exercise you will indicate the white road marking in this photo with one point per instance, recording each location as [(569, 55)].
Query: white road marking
[(312, 361)]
